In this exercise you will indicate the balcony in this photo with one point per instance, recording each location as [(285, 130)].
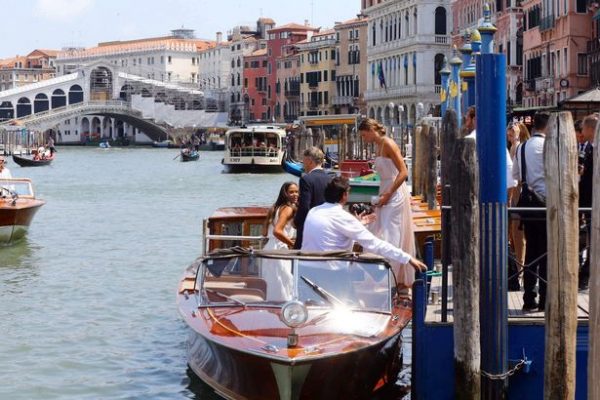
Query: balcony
[(313, 85), (593, 46), (547, 23), (292, 93), (530, 85), (342, 100)]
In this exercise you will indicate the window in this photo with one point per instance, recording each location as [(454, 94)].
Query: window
[(168, 60), (582, 64), (582, 6)]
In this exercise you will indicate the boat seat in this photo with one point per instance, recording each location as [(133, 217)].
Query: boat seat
[(246, 295)]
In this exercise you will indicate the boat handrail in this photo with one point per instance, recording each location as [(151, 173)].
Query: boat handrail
[(235, 237)]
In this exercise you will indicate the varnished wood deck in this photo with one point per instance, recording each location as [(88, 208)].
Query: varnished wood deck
[(515, 304)]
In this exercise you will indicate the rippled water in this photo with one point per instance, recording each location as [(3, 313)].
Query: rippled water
[(87, 300)]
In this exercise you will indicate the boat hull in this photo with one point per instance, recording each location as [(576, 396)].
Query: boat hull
[(190, 157), (351, 375), (28, 162), (253, 168), (15, 220)]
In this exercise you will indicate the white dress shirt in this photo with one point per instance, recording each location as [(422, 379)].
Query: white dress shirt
[(510, 181), (534, 160), (329, 227)]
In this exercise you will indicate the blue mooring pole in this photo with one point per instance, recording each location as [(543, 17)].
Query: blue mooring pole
[(491, 148)]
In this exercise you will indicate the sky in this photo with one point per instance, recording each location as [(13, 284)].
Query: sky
[(53, 24)]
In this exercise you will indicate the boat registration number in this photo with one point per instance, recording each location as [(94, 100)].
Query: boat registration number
[(235, 160)]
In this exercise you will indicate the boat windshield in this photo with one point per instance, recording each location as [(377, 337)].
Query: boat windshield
[(20, 187), (322, 283)]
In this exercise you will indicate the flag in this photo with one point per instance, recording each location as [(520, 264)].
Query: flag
[(381, 76)]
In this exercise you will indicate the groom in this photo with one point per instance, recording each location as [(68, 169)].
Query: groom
[(312, 189)]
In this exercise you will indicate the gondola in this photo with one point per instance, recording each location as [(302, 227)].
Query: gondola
[(30, 162), (192, 155)]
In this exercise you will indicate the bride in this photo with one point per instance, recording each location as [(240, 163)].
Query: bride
[(281, 234)]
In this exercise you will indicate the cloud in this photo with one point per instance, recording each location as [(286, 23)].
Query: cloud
[(62, 10)]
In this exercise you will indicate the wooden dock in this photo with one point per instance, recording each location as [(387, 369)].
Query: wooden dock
[(515, 305)]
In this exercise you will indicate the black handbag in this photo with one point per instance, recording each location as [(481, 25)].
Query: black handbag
[(527, 197)]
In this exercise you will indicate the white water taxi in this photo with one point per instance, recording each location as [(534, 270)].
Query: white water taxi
[(255, 149)]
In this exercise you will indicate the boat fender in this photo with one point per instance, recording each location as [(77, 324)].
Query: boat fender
[(253, 161), (222, 161)]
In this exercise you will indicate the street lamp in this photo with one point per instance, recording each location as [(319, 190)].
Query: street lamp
[(391, 107)]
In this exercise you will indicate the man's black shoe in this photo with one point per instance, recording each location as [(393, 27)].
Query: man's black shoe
[(530, 306), (584, 285)]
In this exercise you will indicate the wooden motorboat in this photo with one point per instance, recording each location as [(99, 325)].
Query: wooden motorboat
[(31, 161), (189, 155), (286, 324), (18, 205)]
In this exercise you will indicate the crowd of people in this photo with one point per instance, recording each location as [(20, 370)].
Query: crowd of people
[(526, 183), (310, 215)]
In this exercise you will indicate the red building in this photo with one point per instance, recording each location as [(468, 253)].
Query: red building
[(255, 85), (279, 40)]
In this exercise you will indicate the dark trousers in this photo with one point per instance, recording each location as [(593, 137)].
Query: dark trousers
[(537, 245), (584, 269)]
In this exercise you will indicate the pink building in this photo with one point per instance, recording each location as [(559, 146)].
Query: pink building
[(279, 39), (555, 46), (507, 16)]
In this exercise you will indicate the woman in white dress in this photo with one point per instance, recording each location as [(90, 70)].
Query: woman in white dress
[(394, 217), (281, 234)]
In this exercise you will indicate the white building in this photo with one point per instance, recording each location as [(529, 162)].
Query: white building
[(173, 58), (214, 67), (407, 41)]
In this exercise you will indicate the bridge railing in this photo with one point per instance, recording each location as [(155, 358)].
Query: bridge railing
[(119, 105)]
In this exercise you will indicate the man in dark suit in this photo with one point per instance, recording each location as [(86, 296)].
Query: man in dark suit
[(312, 189), (585, 187)]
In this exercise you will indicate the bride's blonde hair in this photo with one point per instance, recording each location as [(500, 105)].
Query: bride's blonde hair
[(370, 123)]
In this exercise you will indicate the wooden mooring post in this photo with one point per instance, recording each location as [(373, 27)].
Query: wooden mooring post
[(417, 161), (594, 334), (431, 165), (464, 199), (562, 224), (450, 133)]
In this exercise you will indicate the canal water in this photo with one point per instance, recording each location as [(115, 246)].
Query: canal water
[(87, 300)]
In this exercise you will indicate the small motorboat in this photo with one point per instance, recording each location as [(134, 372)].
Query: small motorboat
[(104, 145), (34, 160), (295, 168), (189, 155), (18, 205), (287, 324)]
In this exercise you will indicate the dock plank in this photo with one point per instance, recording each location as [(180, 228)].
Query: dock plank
[(514, 302)]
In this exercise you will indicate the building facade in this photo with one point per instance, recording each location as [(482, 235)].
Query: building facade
[(508, 17), (243, 42), (556, 47), (172, 58), (24, 70), (351, 66), (279, 39), (407, 42), (256, 84), (214, 67), (317, 73), (287, 89)]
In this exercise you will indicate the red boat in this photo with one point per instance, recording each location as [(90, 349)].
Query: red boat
[(18, 205), (291, 325)]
